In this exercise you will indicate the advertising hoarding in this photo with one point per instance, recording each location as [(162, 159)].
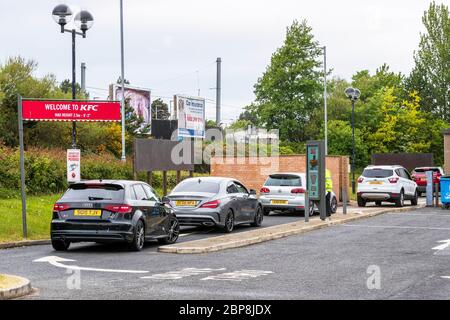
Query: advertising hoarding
[(191, 116), (139, 99), (68, 110)]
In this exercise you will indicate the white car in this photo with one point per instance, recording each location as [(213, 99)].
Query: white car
[(286, 192), (386, 183)]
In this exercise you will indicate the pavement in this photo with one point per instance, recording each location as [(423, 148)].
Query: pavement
[(398, 255), (13, 286)]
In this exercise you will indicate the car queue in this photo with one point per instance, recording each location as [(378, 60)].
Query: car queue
[(105, 211)]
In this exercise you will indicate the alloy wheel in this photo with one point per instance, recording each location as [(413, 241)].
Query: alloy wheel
[(174, 231)]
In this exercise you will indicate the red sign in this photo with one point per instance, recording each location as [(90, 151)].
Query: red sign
[(67, 110)]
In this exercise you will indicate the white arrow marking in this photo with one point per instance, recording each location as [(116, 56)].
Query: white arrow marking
[(445, 244), (56, 261)]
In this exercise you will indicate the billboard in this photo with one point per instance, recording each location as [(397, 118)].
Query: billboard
[(69, 110), (190, 112), (139, 100)]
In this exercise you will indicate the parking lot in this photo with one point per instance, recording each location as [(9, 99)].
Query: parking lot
[(409, 252)]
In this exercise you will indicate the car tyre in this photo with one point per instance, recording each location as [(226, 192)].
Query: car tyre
[(378, 203), (361, 202), (172, 234), (258, 218), (415, 200), (60, 245), (311, 208), (334, 205), (266, 212), (401, 200), (139, 237), (229, 222)]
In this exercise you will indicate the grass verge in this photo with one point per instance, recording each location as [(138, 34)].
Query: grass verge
[(39, 215)]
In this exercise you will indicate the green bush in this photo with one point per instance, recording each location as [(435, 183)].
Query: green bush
[(45, 171)]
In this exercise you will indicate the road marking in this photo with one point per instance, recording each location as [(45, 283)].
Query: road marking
[(392, 227), (445, 244), (56, 262), (239, 275), (183, 273)]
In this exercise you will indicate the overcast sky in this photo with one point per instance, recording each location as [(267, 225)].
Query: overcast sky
[(171, 45)]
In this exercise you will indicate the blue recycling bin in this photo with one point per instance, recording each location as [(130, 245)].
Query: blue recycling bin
[(445, 191)]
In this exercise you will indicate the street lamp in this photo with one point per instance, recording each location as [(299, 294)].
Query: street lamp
[(353, 94), (83, 21)]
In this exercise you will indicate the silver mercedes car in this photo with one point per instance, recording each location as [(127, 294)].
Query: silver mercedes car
[(286, 192), (215, 201)]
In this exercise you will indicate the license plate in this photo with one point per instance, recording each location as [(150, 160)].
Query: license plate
[(278, 202), (87, 213), (376, 182), (184, 203)]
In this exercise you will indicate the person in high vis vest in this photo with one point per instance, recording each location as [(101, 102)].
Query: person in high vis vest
[(329, 189)]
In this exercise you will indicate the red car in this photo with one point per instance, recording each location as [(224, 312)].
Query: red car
[(420, 177)]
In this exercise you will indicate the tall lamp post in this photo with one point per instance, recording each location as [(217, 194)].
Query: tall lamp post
[(353, 94), (325, 111), (83, 21)]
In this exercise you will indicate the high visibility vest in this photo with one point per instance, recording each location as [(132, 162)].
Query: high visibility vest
[(328, 181)]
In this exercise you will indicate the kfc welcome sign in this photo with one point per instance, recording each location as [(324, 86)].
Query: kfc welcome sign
[(67, 110)]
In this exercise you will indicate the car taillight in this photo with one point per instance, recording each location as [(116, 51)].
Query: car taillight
[(264, 190), (360, 179), (211, 204), (60, 207), (298, 190), (393, 180), (119, 208)]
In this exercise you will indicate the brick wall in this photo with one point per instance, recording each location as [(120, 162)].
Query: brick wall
[(253, 171)]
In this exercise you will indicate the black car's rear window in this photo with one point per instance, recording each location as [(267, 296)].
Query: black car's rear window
[(197, 186), (84, 192), (422, 170), (377, 173), (283, 180)]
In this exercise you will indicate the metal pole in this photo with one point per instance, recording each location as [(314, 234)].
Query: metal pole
[(218, 89), (122, 65), (344, 199), (22, 169), (325, 97), (307, 208), (83, 77), (353, 146), (74, 90)]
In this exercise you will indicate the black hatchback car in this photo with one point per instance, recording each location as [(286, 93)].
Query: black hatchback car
[(112, 211)]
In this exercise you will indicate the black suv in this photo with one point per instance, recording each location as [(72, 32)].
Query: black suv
[(112, 211)]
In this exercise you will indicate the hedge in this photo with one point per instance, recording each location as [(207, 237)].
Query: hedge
[(46, 170)]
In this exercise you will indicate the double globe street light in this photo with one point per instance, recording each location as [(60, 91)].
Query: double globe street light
[(83, 21), (353, 94)]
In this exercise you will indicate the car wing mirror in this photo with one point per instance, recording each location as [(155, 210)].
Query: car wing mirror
[(252, 192)]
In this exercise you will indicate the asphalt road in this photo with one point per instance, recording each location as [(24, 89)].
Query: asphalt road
[(331, 263)]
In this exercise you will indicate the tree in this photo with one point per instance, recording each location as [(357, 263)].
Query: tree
[(66, 87), (340, 142), (431, 74), (402, 128), (160, 110), (290, 89), (240, 124)]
